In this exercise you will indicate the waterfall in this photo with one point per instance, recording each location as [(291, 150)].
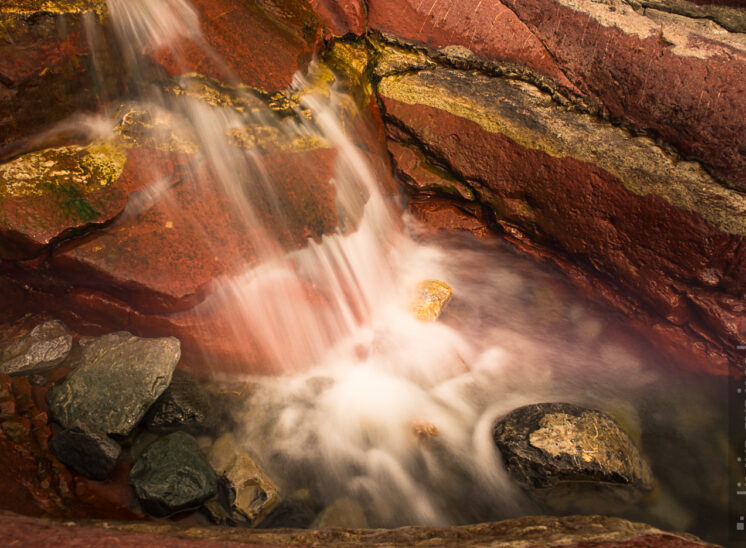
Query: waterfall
[(369, 402)]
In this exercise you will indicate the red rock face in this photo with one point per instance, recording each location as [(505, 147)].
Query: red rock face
[(45, 71), (159, 257), (442, 214), (693, 103), (341, 17), (262, 44), (489, 29), (32, 220), (651, 248)]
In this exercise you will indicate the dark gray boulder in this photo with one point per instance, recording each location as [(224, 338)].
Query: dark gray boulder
[(173, 475), (91, 454), (550, 445), (46, 345), (185, 405), (118, 379)]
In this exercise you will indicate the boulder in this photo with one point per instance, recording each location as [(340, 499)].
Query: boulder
[(252, 494), (184, 405), (489, 31), (172, 475), (431, 298), (119, 376), (549, 445), (89, 453), (46, 345)]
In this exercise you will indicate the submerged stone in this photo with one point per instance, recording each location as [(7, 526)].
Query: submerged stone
[(252, 495), (173, 475), (431, 298), (47, 345), (118, 378), (295, 512), (550, 445), (91, 454), (184, 405), (345, 513)]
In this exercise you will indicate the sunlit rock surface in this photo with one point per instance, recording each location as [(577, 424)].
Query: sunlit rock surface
[(284, 36), (431, 297), (252, 495), (555, 445)]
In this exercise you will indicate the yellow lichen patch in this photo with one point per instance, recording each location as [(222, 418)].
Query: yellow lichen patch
[(157, 129), (272, 138), (73, 169), (53, 6), (391, 59), (430, 299), (531, 118), (591, 438), (207, 90)]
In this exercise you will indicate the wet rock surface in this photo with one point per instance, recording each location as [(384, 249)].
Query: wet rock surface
[(184, 405), (118, 378), (430, 300), (251, 494), (45, 74), (46, 345), (574, 531), (558, 193), (172, 475), (89, 453), (550, 444)]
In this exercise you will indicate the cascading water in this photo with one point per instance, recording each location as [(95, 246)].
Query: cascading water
[(374, 404)]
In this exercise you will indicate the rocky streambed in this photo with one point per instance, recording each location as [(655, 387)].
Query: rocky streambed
[(153, 154), (342, 448)]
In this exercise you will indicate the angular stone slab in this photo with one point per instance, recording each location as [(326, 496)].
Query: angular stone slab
[(47, 345), (118, 378), (172, 475), (253, 495)]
